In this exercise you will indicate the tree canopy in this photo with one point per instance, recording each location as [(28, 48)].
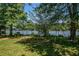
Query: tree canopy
[(11, 14)]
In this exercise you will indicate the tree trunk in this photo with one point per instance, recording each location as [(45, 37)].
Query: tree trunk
[(11, 29), (45, 33), (72, 31), (72, 7), (45, 30), (0, 31)]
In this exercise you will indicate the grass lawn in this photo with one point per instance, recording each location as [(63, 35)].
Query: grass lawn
[(10, 47), (28, 46)]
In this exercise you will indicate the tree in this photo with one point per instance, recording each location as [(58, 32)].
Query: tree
[(2, 18), (74, 18), (13, 13), (42, 20), (67, 12), (42, 23)]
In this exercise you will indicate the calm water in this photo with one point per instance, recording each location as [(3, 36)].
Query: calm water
[(27, 32)]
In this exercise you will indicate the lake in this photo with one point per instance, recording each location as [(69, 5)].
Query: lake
[(28, 32)]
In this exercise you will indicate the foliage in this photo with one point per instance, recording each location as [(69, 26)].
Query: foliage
[(42, 46), (64, 12), (12, 13)]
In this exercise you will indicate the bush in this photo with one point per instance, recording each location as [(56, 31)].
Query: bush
[(17, 34), (60, 36), (60, 50)]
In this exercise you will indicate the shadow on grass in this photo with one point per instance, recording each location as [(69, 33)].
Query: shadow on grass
[(50, 46)]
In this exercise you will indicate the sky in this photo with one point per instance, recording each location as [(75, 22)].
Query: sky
[(28, 8), (31, 7)]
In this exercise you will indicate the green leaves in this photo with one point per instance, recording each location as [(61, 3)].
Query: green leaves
[(12, 12)]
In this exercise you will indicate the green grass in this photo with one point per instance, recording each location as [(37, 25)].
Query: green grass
[(10, 47), (36, 46)]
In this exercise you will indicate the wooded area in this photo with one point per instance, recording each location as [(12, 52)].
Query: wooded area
[(42, 20)]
